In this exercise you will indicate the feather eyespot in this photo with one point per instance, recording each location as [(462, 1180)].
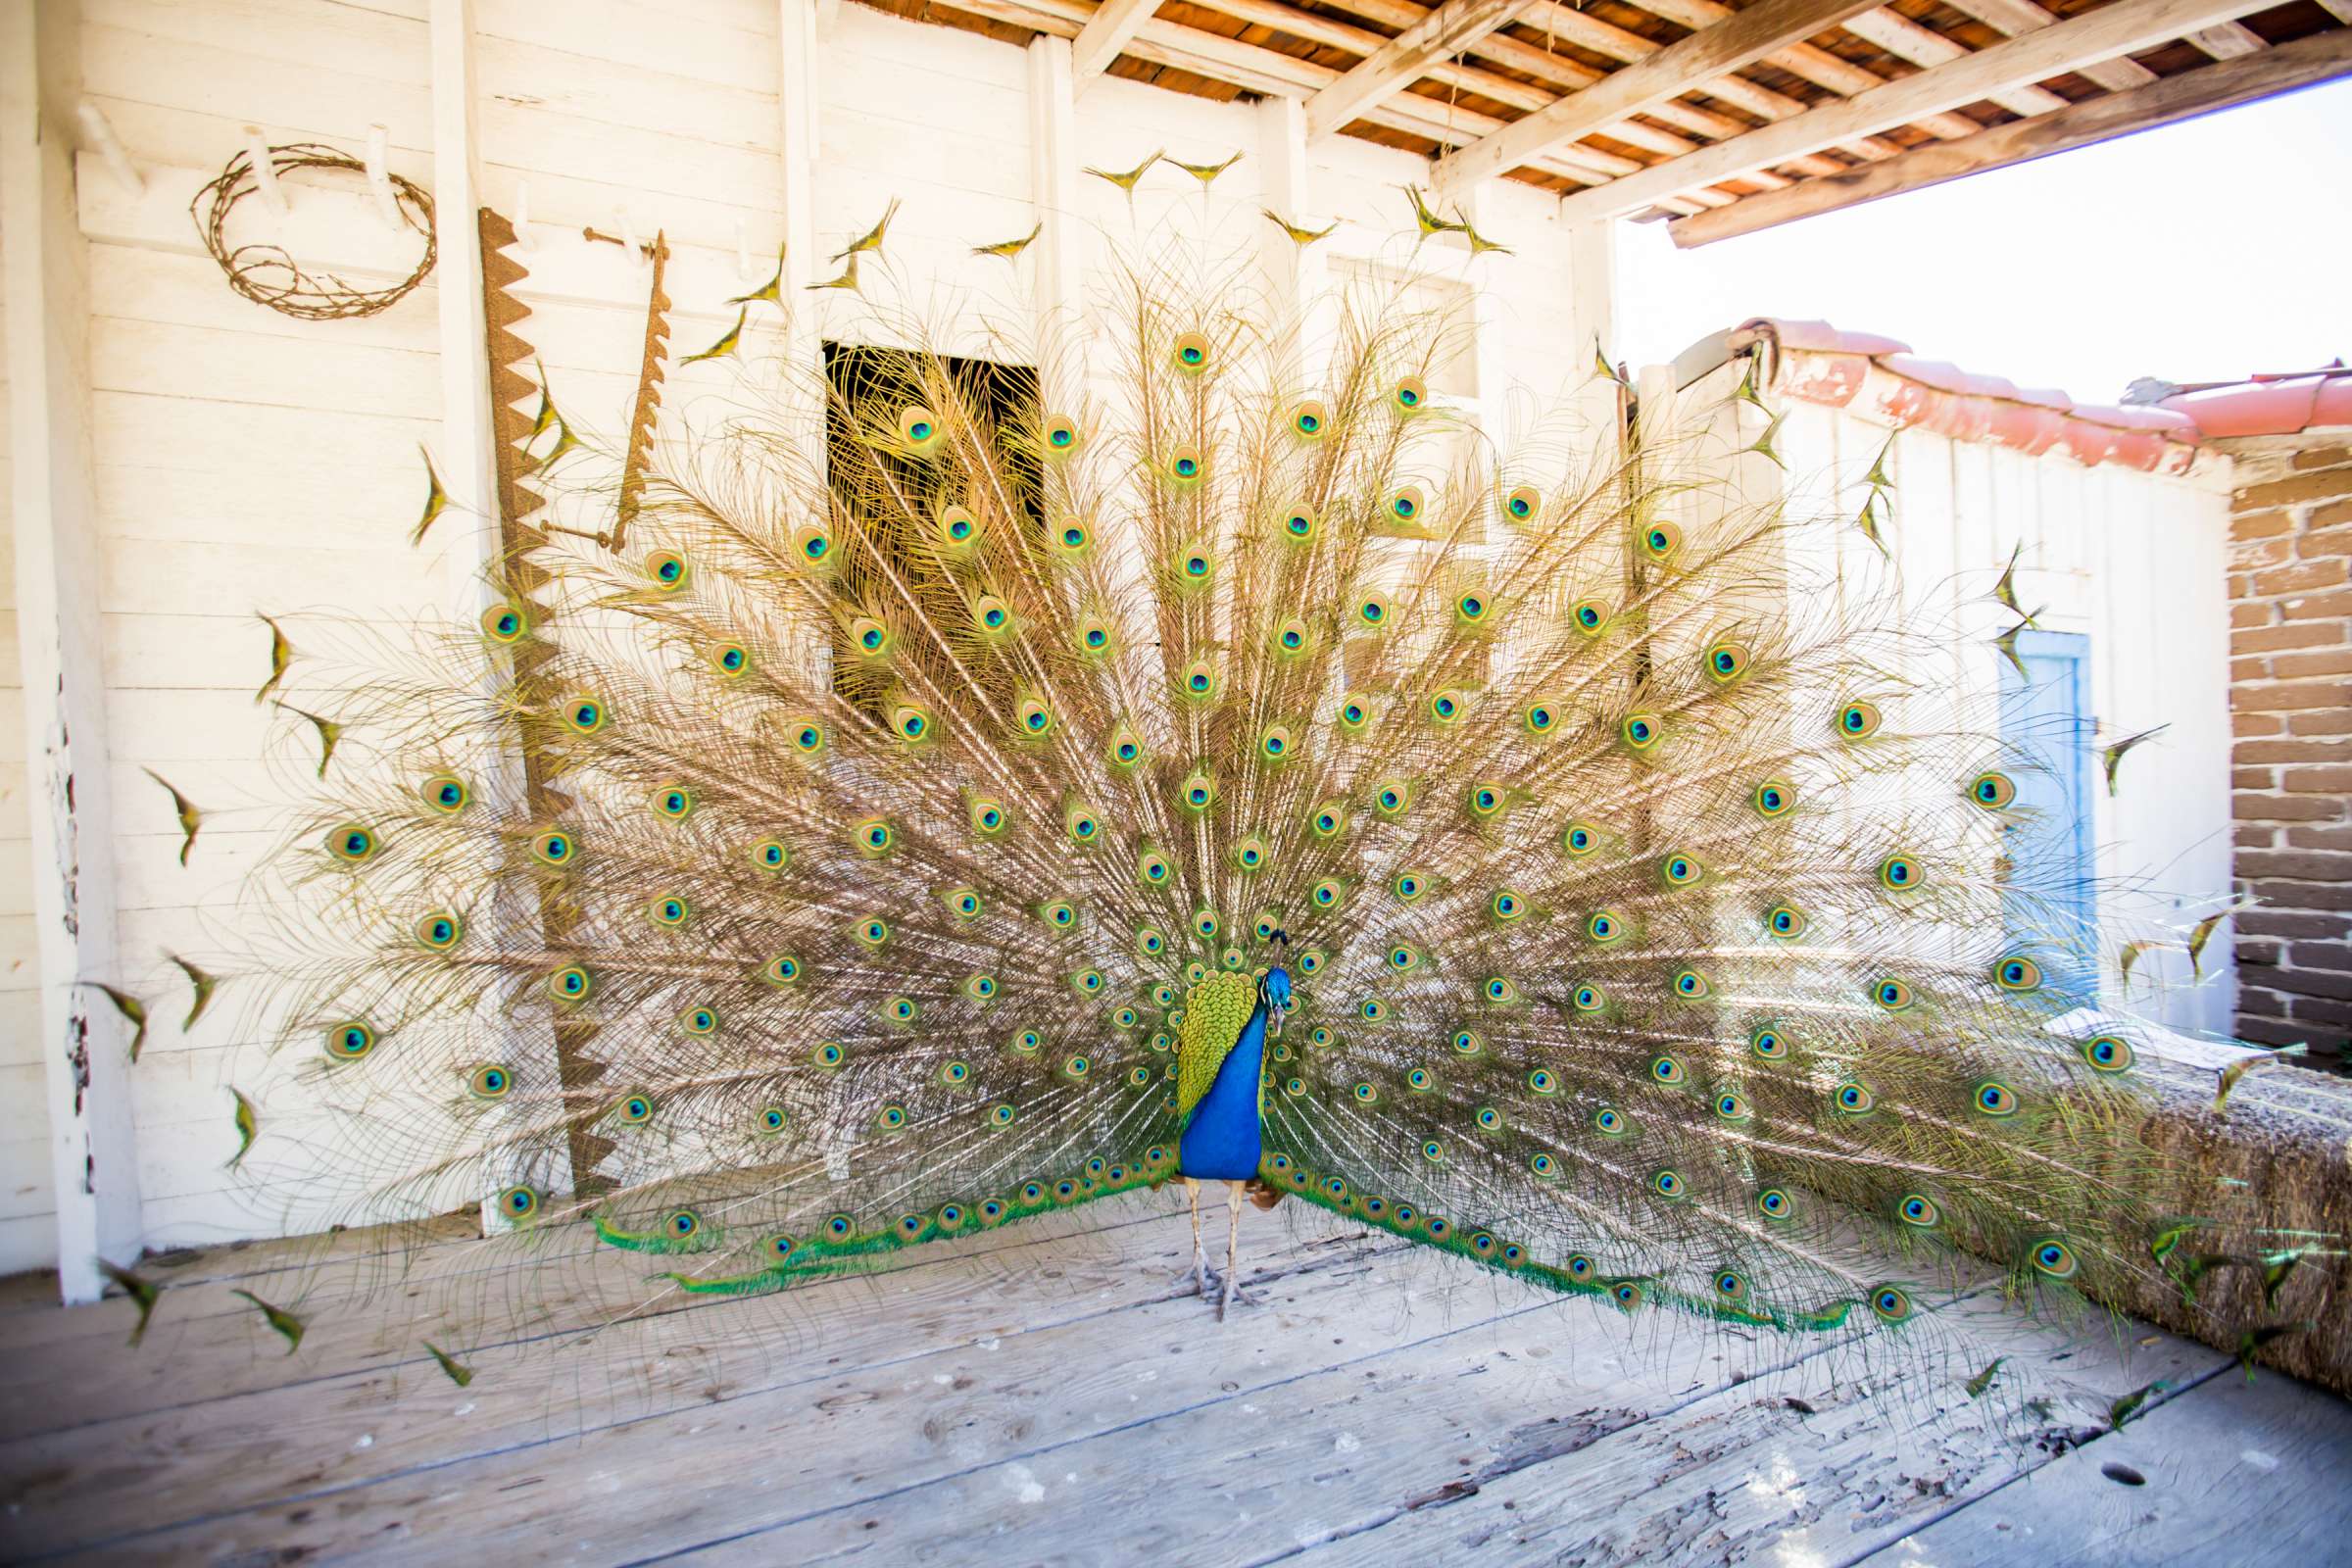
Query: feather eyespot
[(1192, 353), (1900, 874), (1659, 541), (446, 793), (1589, 616), (1328, 893), (1523, 503), (1586, 999), (1772, 798), (350, 1041), (919, 428), (1993, 790), (667, 569), (2017, 973), (1775, 1203), (1784, 920), (1668, 1070), (2107, 1053), (2054, 1259), (1859, 720), (489, 1082), (1853, 1099), (441, 930), (504, 623), (1919, 1210), (828, 1054), (571, 983), (1891, 1304), (1641, 731), (1299, 524), (668, 911), (1770, 1044), (1994, 1099), (1409, 395), (1727, 661), (699, 1020), (353, 843), (1309, 419), (1891, 994)]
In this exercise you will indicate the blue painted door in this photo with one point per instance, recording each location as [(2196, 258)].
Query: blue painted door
[(2048, 729)]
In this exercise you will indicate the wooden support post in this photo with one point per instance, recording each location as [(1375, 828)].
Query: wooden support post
[(46, 269), (1295, 273), (1054, 190)]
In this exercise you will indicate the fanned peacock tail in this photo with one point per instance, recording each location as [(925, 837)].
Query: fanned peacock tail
[(881, 814)]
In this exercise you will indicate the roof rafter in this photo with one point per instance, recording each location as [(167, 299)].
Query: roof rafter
[(2320, 56), (1405, 59), (2115, 28), (1742, 38), (2013, 17), (1104, 37)]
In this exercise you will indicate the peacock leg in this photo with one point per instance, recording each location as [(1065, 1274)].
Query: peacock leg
[(1195, 1281), (1231, 1291)]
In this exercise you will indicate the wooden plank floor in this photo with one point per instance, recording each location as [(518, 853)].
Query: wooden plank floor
[(1041, 1396)]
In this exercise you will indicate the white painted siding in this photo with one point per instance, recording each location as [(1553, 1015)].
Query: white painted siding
[(27, 1192), (248, 461), (2132, 562)]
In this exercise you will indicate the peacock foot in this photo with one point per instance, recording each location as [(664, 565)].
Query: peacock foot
[(1201, 1281)]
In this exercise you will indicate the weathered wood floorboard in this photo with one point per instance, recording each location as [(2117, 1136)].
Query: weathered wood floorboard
[(1038, 1395)]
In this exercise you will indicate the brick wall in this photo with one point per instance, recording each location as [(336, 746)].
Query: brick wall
[(2290, 701)]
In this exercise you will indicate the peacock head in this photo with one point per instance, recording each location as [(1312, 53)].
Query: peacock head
[(1274, 986)]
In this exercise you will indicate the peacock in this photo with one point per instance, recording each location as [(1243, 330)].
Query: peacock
[(1222, 762)]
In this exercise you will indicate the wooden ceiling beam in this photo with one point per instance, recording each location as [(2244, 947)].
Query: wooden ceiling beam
[(1104, 37), (2015, 18), (1405, 58), (2115, 28), (1906, 39), (1742, 38), (1589, 32), (1808, 62), (2320, 56)]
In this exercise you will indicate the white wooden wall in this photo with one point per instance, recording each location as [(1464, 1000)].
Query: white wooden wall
[(2136, 562), (249, 462), (28, 1198)]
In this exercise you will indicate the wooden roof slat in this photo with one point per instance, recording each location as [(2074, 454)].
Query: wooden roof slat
[(1104, 37), (1737, 91), (1558, 71), (1404, 59), (2319, 57), (1807, 60), (1906, 39), (1747, 35), (2118, 28), (2228, 41), (2015, 18)]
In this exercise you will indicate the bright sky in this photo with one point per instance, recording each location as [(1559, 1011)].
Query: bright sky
[(2202, 251)]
